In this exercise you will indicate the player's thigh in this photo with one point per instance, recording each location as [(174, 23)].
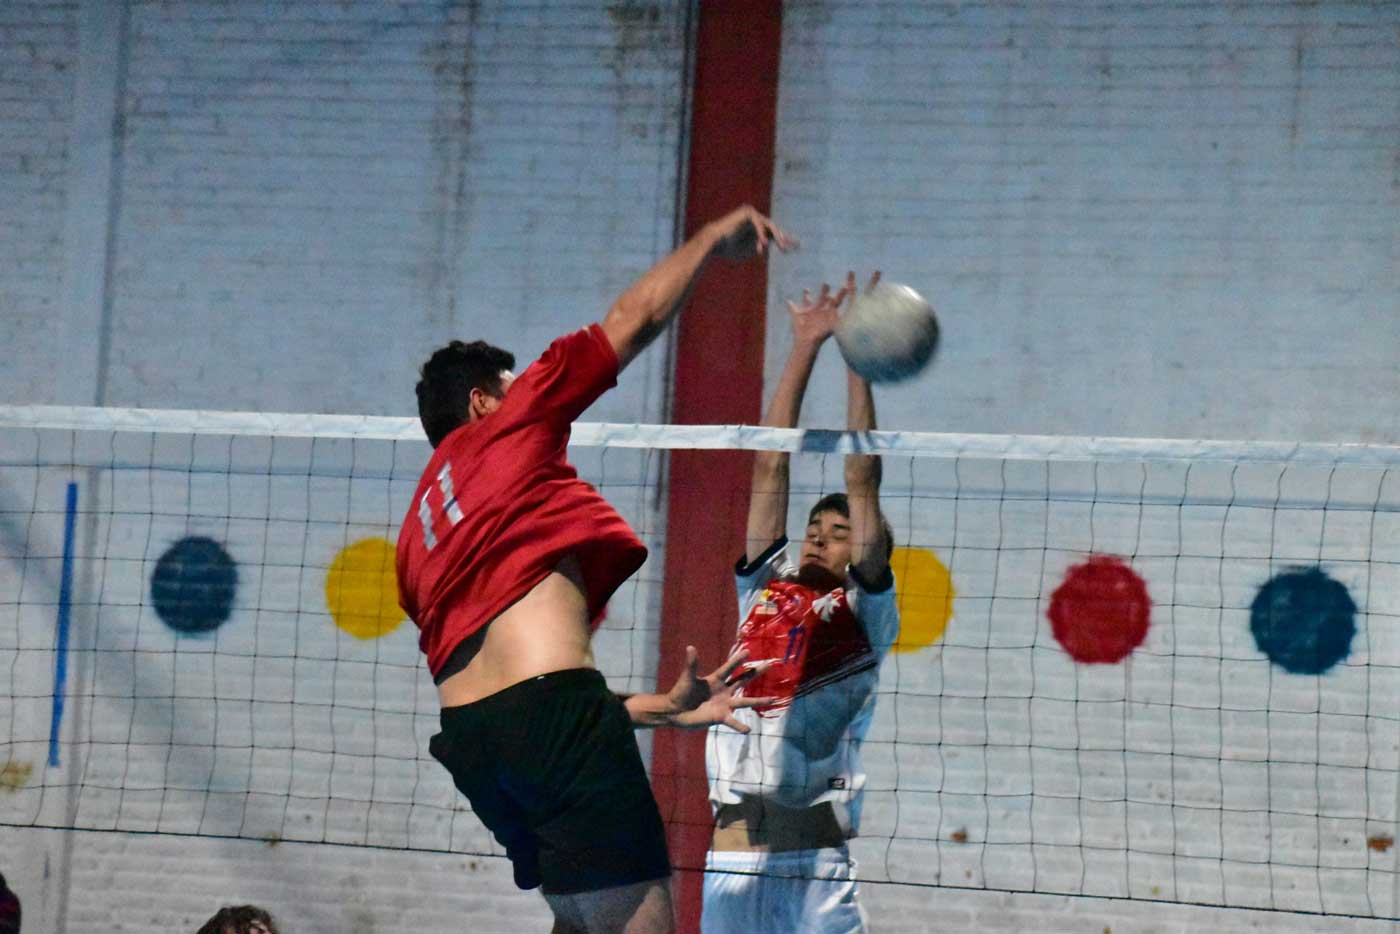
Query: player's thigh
[(831, 906), (758, 901), (750, 902), (730, 904), (638, 908)]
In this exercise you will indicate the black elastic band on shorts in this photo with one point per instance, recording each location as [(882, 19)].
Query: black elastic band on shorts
[(565, 678)]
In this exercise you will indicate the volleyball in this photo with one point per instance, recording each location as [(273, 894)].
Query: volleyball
[(888, 334)]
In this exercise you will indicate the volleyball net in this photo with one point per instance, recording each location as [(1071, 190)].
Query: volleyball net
[(1159, 670)]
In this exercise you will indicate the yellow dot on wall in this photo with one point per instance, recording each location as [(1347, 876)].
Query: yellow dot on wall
[(925, 591), (362, 589)]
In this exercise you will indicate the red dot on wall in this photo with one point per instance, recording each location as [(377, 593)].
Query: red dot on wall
[(1100, 613)]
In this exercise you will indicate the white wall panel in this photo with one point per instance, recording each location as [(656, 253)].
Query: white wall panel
[(1143, 219)]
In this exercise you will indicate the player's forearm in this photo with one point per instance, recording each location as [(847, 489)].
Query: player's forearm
[(786, 404), (860, 404), (862, 470), (768, 502), (650, 710), (768, 492), (869, 548), (644, 310)]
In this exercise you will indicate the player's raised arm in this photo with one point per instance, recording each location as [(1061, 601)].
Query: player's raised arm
[(813, 322), (644, 310), (870, 535)]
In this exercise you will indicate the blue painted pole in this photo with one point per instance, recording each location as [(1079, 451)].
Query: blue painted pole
[(65, 603)]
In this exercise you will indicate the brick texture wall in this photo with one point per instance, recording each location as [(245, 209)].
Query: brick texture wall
[(38, 55), (1151, 219)]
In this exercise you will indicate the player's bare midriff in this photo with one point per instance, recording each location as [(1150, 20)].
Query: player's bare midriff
[(545, 630)]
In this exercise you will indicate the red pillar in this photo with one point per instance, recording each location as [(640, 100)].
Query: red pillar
[(718, 379)]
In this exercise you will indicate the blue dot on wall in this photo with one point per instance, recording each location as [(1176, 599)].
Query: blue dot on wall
[(192, 587), (1303, 620)]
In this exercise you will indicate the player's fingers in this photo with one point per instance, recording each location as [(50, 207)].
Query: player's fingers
[(760, 227), (846, 291), (734, 682), (739, 703), (749, 673), (734, 724), (692, 660), (734, 660), (874, 280), (785, 241), (768, 229)]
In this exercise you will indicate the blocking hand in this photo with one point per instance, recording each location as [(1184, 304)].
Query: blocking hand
[(702, 702)]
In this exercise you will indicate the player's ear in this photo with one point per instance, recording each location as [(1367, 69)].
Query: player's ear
[(478, 404)]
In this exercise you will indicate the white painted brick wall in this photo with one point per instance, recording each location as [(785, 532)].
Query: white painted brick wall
[(315, 195), (174, 884), (392, 175), (38, 54), (1145, 219)]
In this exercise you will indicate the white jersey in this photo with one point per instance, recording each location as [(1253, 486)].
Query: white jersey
[(805, 748)]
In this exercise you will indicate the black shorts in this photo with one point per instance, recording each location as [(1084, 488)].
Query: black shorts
[(552, 769)]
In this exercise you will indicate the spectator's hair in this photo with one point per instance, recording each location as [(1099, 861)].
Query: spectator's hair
[(240, 919), (446, 382)]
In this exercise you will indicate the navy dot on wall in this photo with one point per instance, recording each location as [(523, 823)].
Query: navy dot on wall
[(192, 587), (1303, 620)]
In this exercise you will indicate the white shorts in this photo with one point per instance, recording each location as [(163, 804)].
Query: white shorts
[(801, 892)]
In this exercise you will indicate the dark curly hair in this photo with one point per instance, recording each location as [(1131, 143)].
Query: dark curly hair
[(240, 919), (448, 378)]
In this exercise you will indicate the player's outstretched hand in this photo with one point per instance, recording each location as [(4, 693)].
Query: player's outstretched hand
[(702, 702), (815, 319), (744, 233)]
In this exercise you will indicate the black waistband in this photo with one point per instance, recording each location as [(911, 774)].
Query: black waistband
[(566, 679)]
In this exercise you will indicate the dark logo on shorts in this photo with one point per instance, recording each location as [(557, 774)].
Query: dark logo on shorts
[(836, 784)]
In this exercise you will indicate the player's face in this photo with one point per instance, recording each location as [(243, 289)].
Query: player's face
[(827, 543)]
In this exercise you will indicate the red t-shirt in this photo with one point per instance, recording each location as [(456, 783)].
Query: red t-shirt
[(498, 505)]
